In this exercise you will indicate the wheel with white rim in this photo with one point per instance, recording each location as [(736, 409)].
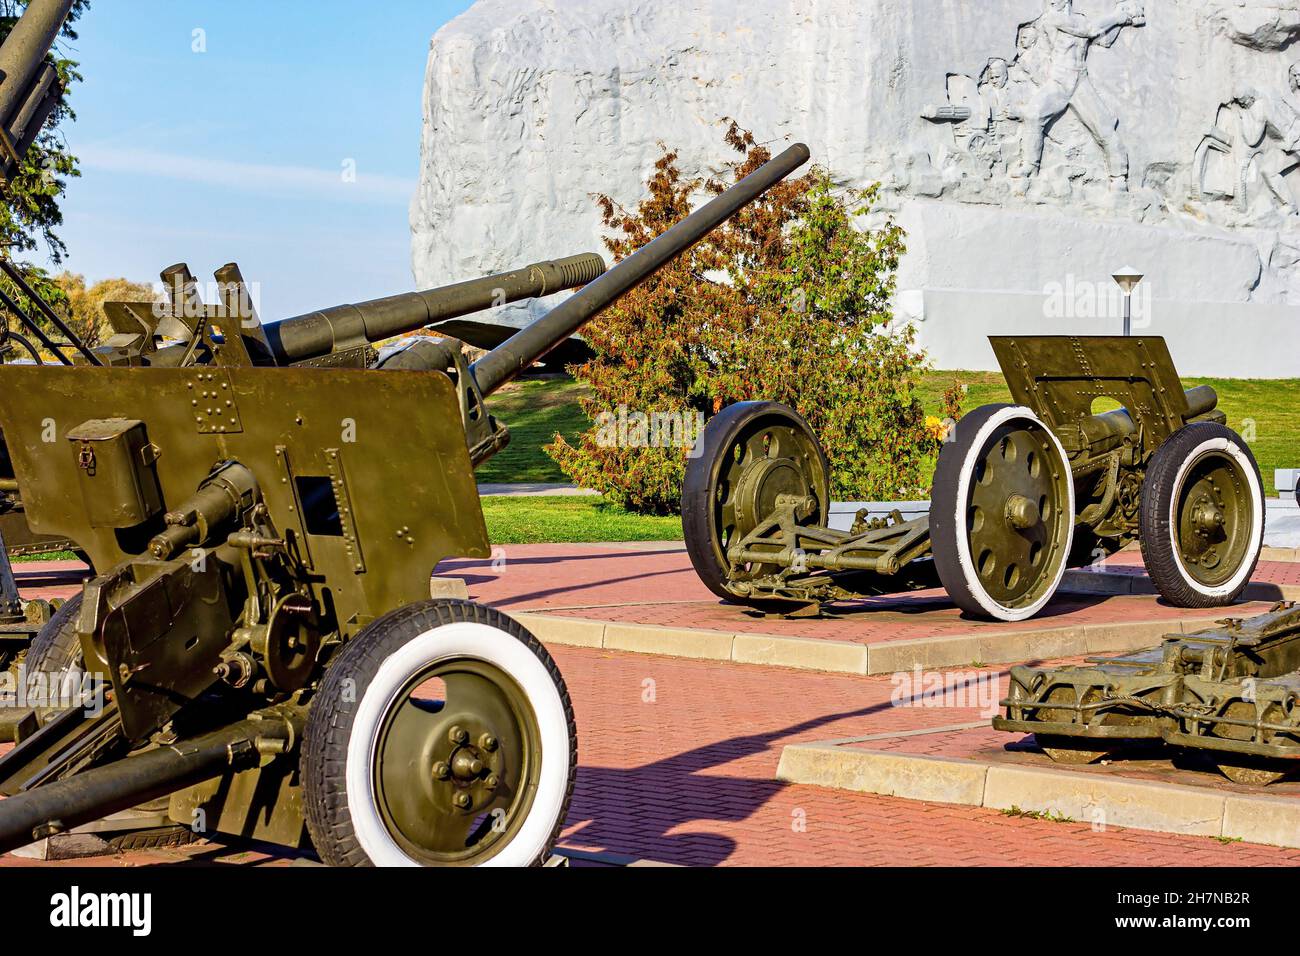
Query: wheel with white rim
[(442, 735), (1202, 516), (1002, 515)]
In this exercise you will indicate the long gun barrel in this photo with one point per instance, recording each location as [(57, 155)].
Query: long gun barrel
[(96, 793), (29, 87), (316, 334), (1107, 431), (517, 353), (341, 328)]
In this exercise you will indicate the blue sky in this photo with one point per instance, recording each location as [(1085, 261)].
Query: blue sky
[(238, 153)]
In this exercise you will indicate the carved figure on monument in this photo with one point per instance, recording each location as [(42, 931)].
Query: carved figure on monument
[(1029, 68), (1255, 136), (985, 117), (1067, 37), (998, 99)]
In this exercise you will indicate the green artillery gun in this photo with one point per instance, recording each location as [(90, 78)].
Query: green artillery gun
[(1230, 693), (264, 506), (1022, 492)]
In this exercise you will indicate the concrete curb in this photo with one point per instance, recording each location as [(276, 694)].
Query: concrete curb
[(843, 657), (1079, 796), (1290, 555), (1101, 582)]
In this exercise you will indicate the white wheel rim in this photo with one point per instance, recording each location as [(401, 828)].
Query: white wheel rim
[(1238, 580), (965, 560), (460, 640)]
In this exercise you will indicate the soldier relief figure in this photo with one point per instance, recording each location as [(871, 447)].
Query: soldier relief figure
[(1251, 149), (1067, 86), (1002, 123)]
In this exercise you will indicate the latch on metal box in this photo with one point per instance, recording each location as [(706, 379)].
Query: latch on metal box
[(116, 470)]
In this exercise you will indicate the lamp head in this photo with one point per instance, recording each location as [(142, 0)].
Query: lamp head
[(1128, 279)]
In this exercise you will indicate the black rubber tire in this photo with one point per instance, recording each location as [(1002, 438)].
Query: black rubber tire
[(701, 482), (948, 529), (155, 838), (330, 721), (57, 648), (1157, 537)]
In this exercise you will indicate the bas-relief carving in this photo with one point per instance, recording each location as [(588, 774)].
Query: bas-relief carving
[(1245, 158), (1003, 122), (1032, 128)]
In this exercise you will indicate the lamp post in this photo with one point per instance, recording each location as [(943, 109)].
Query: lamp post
[(1128, 279)]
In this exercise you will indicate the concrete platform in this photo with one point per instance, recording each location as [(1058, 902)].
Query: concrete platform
[(647, 599), (974, 765)]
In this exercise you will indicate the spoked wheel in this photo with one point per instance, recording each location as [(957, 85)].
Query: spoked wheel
[(1202, 520), (442, 735), (1062, 749), (752, 453), (1003, 514), (1244, 768)]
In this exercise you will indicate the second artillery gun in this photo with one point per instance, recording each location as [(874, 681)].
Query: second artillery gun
[(1022, 492), (264, 506), (1230, 693)]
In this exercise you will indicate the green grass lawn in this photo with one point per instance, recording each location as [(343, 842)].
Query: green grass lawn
[(532, 520), (534, 411)]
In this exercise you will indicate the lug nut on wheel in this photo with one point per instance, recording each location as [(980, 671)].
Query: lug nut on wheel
[(487, 742), (441, 770), (458, 735), (461, 800)]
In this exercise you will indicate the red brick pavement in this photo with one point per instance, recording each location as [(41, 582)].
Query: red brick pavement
[(678, 757), (678, 760), (690, 778)]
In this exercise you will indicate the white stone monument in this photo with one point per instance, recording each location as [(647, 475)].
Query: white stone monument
[(1029, 147)]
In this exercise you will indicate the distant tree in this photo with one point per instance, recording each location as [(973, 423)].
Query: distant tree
[(84, 307), (789, 301)]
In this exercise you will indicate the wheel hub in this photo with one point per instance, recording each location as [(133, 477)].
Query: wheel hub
[(762, 484), (1022, 513), (1207, 516), (1213, 518), (455, 776)]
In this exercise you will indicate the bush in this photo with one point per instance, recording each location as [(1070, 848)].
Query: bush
[(789, 301)]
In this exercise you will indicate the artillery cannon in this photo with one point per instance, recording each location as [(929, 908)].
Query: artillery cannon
[(1230, 693), (1021, 493), (264, 507)]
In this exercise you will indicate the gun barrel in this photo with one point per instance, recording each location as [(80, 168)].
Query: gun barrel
[(28, 86), (1201, 400), (341, 327), (1108, 430), (517, 353), (98, 792)]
